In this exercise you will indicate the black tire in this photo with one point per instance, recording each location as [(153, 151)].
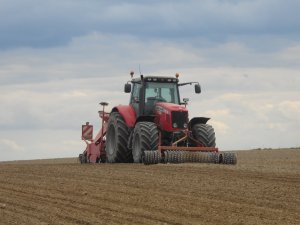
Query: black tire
[(102, 159), (145, 137), (83, 158), (205, 134), (116, 140), (80, 158)]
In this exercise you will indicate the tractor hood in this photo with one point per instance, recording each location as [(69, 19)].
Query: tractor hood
[(171, 117), (170, 107)]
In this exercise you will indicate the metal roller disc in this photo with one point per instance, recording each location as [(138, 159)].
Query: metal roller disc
[(227, 158), (155, 157), (175, 155), (185, 156), (147, 157), (194, 157), (216, 158), (234, 158), (181, 154), (166, 155), (152, 157), (158, 157), (171, 158)]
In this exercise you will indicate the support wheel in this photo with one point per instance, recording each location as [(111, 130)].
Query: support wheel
[(145, 137), (205, 134), (116, 140), (83, 158)]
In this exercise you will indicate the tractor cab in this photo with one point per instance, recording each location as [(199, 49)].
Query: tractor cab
[(148, 91)]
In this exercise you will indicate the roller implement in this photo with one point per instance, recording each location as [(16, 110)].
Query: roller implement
[(153, 128)]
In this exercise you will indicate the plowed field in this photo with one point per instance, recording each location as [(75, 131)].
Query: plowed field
[(263, 188)]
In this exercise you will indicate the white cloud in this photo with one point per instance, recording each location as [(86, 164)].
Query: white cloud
[(291, 110), (290, 54), (221, 127), (7, 145), (40, 144), (29, 23)]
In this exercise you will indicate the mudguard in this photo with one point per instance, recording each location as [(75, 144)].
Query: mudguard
[(145, 118), (196, 120), (128, 113)]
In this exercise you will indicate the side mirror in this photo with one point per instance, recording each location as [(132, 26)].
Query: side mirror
[(186, 100), (127, 88), (197, 89)]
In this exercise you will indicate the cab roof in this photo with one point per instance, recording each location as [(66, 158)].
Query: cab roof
[(156, 79)]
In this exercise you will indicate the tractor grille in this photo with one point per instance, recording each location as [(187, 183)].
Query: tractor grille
[(180, 118)]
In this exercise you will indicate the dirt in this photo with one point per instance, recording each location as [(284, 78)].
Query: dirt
[(263, 188)]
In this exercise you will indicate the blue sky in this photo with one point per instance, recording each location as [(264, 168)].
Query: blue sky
[(59, 59)]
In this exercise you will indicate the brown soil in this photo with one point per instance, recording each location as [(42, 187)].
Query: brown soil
[(264, 188)]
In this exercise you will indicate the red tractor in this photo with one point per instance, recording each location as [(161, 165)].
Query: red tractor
[(154, 128)]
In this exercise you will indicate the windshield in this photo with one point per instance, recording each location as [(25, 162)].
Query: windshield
[(164, 92)]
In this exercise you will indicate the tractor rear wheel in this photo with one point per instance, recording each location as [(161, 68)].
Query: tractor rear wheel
[(116, 140), (205, 134), (145, 137)]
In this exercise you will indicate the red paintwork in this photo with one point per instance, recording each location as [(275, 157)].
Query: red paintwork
[(104, 116), (96, 147), (163, 115), (127, 113), (93, 152)]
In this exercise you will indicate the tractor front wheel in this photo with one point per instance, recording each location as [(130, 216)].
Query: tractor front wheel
[(116, 140), (205, 134), (145, 137)]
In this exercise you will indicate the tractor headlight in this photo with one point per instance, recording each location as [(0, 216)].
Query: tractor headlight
[(175, 125), (185, 125)]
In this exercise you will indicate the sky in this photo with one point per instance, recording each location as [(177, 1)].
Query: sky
[(59, 59)]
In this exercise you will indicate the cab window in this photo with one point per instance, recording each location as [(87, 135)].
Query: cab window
[(164, 92), (135, 93)]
